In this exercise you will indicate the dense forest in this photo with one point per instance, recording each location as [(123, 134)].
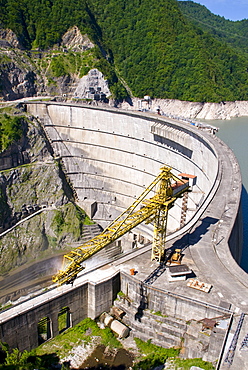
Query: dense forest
[(230, 32), (163, 48)]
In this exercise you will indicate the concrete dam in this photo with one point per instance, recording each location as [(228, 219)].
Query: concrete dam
[(110, 156)]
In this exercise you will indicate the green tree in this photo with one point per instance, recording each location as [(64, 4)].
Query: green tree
[(10, 130)]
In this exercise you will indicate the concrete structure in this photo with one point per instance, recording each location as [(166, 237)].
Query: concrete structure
[(110, 157), (20, 330)]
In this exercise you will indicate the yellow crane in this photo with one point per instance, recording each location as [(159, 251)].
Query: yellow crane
[(155, 210)]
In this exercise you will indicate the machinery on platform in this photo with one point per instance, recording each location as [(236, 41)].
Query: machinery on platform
[(176, 257), (154, 210)]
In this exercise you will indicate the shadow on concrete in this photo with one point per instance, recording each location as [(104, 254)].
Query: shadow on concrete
[(154, 275), (244, 202), (143, 302), (201, 230), (195, 236)]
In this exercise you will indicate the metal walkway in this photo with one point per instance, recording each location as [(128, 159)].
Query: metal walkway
[(244, 344), (230, 353)]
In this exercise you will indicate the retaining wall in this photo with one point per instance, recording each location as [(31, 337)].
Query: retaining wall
[(19, 325), (168, 303)]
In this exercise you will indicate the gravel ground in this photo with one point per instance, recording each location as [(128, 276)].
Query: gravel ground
[(80, 353)]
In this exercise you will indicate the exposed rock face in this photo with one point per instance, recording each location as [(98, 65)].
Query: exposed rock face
[(223, 110), (41, 235), (193, 110), (91, 84), (25, 188), (25, 73), (9, 39), (17, 82), (74, 40), (38, 197), (30, 148), (25, 80)]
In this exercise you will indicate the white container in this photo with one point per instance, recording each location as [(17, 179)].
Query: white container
[(119, 328)]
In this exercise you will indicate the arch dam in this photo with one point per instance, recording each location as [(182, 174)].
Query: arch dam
[(109, 157)]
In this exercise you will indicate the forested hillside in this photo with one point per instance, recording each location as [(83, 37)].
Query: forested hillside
[(153, 45), (233, 33)]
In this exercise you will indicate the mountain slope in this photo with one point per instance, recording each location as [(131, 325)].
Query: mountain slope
[(155, 48), (160, 53), (230, 32)]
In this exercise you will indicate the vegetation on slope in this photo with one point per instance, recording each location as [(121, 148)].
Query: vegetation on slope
[(160, 53), (154, 47), (10, 130), (50, 353), (224, 30), (154, 356), (41, 24), (33, 184)]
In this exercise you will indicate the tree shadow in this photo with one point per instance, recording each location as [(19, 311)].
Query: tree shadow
[(50, 361)]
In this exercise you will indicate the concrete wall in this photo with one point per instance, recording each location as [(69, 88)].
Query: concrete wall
[(21, 331), (168, 303), (20, 327), (111, 156)]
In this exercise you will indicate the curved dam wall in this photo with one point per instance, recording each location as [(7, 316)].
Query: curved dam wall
[(112, 156)]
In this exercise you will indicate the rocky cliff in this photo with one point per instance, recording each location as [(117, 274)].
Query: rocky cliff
[(192, 110), (38, 216), (222, 110), (68, 72), (54, 72)]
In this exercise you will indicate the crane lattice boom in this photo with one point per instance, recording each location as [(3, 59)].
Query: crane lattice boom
[(153, 210)]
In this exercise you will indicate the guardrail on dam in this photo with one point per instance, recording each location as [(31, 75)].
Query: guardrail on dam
[(110, 156)]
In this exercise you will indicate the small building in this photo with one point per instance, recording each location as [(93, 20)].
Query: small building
[(178, 272), (190, 178), (95, 94)]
